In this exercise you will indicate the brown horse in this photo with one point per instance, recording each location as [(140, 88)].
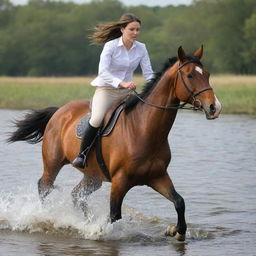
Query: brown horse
[(137, 151)]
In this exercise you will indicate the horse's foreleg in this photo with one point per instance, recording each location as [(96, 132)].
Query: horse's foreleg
[(165, 187), (81, 191), (119, 189)]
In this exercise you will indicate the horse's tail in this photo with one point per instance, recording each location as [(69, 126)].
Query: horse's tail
[(31, 128)]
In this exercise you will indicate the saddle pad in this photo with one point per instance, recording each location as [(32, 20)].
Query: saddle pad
[(81, 125), (105, 131)]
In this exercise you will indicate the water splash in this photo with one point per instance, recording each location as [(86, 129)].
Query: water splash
[(199, 234), (23, 212)]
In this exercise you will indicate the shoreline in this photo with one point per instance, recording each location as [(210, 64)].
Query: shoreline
[(237, 93)]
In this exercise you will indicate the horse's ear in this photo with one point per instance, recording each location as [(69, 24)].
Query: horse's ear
[(199, 52), (181, 54)]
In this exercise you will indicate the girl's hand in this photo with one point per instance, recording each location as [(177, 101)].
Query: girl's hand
[(128, 85)]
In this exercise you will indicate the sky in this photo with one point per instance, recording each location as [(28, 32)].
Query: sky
[(127, 2)]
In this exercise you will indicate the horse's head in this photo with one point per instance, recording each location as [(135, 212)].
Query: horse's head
[(192, 84)]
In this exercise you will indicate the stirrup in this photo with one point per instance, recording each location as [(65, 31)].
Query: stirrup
[(83, 158)]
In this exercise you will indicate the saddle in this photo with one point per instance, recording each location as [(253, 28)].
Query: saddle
[(105, 130)]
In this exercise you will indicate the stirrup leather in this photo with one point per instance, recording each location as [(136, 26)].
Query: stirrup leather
[(85, 153)]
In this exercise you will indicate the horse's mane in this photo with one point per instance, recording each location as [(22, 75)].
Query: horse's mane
[(132, 100)]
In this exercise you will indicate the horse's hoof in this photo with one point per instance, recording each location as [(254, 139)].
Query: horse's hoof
[(171, 231), (180, 237)]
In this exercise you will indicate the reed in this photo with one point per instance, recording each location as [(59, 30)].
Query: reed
[(236, 93)]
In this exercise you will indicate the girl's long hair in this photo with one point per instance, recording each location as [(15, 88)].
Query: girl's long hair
[(105, 32)]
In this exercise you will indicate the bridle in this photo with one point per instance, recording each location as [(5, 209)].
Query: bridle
[(191, 93)]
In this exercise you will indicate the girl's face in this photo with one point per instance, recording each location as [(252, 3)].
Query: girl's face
[(131, 31)]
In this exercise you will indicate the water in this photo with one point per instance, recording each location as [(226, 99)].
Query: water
[(213, 168)]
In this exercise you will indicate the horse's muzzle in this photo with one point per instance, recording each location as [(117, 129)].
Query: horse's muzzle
[(212, 111)]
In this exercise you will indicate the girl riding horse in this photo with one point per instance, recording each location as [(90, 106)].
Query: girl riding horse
[(137, 151), (120, 57)]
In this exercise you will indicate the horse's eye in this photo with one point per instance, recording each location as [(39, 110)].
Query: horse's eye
[(190, 76)]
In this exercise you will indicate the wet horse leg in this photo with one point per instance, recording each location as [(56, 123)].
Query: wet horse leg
[(45, 183), (165, 187), (83, 189), (119, 189), (53, 160)]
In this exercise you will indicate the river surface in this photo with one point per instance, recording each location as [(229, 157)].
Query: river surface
[(213, 168)]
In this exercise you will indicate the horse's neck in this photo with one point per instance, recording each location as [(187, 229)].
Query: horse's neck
[(156, 122)]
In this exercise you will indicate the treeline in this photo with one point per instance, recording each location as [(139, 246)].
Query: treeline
[(49, 38)]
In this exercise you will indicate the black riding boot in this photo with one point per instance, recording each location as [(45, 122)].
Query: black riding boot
[(87, 139)]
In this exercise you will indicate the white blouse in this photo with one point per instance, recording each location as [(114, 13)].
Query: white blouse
[(117, 64)]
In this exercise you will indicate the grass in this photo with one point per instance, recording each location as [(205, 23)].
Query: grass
[(25, 93), (236, 93)]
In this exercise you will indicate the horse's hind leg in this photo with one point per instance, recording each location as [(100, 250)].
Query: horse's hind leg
[(45, 183), (164, 186), (53, 161), (83, 189)]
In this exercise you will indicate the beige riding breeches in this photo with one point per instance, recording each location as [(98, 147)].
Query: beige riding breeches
[(104, 97)]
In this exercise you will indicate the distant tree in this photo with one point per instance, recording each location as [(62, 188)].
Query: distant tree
[(5, 5), (249, 52), (225, 20), (46, 37)]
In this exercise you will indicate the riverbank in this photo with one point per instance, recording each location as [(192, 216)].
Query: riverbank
[(236, 93)]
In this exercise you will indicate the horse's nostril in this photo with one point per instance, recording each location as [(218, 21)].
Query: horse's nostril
[(212, 109)]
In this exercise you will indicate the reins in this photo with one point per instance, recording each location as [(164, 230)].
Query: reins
[(182, 105), (179, 106)]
